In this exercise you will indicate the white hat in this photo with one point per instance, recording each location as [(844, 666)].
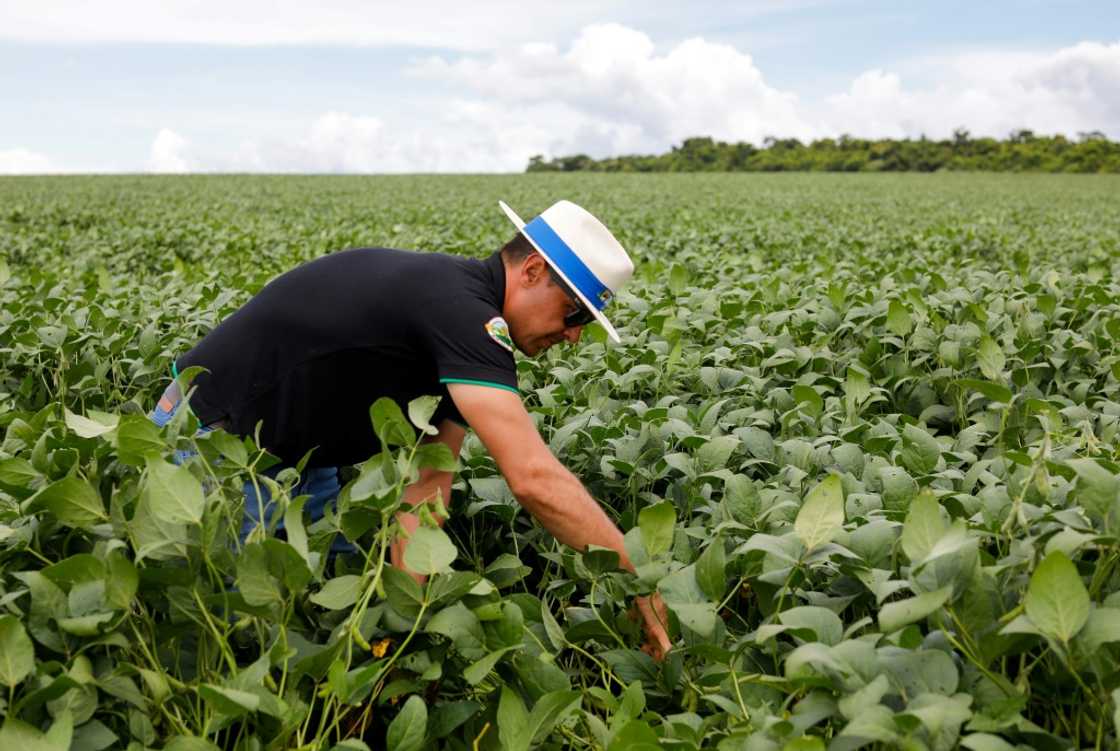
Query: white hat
[(582, 251)]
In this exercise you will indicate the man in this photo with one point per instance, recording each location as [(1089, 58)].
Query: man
[(312, 350)]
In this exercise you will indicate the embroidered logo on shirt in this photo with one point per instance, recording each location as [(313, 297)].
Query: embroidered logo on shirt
[(498, 330)]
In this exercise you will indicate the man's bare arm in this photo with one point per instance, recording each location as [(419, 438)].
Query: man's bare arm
[(541, 484), (549, 491)]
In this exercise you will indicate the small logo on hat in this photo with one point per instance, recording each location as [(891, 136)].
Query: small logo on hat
[(605, 296), (498, 330)]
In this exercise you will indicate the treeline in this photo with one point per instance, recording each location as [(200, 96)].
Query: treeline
[(1022, 151)]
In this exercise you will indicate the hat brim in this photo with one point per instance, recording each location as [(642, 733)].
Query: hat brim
[(602, 319)]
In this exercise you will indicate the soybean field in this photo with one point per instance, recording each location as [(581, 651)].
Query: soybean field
[(862, 434)]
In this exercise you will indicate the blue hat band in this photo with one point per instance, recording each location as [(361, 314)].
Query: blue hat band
[(565, 259)]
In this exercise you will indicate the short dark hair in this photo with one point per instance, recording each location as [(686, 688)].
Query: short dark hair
[(517, 249)]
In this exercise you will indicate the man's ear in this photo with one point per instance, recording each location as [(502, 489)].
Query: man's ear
[(533, 269)]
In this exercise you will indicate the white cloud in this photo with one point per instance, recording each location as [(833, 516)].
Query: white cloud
[(610, 92), (1071, 90), (615, 93), (25, 162), (169, 153)]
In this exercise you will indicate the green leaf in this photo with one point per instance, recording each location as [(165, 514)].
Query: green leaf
[(436, 455), (17, 653), (716, 451), (479, 669), (808, 397), (857, 389), (16, 734), (804, 743), (1098, 490), (539, 676), (17, 475), (52, 336), (635, 736), (137, 438), (899, 488), (920, 450), (898, 318), (293, 524), (230, 447), (402, 592), (458, 623), (822, 514), (994, 391), (71, 500), (1103, 627), (855, 704), (338, 593), (740, 496), (229, 701), (924, 526), (254, 581), (99, 423), (122, 582), (656, 525), (408, 730), (678, 278), (550, 710), (895, 615), (599, 561), (552, 628), (93, 736), (389, 423), (155, 536), (682, 595), (711, 570), (513, 722), (825, 625), (1116, 711), (350, 744), (85, 625), (986, 742), (443, 589), (189, 743), (174, 493), (990, 358), (429, 551), (1056, 600), (450, 715), (420, 411)]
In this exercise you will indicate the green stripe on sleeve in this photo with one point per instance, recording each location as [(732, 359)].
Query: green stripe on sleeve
[(480, 383)]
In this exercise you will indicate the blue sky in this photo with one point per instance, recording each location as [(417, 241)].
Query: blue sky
[(352, 86)]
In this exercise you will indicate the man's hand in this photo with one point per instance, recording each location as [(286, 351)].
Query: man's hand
[(655, 620)]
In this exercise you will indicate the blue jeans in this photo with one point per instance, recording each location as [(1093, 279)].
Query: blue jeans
[(321, 483)]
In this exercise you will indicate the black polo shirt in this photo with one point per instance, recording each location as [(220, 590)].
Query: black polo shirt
[(310, 353)]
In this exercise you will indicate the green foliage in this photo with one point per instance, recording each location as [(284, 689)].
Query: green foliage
[(1021, 151), (862, 436)]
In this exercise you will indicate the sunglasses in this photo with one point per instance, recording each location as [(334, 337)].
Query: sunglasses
[(581, 316)]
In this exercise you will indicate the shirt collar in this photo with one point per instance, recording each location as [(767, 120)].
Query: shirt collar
[(496, 270)]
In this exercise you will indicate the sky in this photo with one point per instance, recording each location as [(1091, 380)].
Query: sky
[(387, 87)]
